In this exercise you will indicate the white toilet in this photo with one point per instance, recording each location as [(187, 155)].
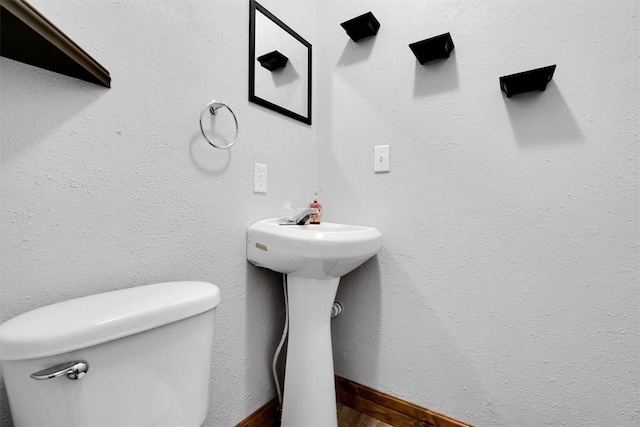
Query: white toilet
[(133, 357)]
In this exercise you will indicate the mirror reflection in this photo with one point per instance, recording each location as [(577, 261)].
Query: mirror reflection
[(280, 66)]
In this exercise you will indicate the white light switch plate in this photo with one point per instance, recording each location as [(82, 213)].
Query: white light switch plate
[(381, 158), (259, 178)]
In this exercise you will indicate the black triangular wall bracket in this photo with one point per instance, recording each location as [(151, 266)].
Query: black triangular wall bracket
[(527, 81), (362, 26), (273, 60), (437, 47)]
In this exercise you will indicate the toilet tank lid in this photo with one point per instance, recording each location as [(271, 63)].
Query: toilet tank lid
[(95, 319)]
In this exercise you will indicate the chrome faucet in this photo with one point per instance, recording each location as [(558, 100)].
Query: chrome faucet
[(299, 218)]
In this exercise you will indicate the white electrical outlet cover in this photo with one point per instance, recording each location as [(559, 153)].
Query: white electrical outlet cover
[(259, 178)]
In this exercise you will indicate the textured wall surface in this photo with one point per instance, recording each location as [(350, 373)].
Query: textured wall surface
[(105, 189), (506, 292)]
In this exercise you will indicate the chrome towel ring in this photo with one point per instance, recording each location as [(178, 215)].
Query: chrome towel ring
[(213, 107)]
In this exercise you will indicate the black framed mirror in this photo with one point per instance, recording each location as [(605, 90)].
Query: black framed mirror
[(279, 65)]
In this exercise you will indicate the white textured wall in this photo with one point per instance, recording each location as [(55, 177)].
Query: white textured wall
[(506, 292), (105, 189)]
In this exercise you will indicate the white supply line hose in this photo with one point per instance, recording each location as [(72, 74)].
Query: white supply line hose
[(284, 336)]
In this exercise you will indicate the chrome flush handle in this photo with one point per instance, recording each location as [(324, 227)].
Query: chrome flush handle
[(73, 370)]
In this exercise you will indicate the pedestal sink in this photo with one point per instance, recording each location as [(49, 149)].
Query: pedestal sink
[(313, 257)]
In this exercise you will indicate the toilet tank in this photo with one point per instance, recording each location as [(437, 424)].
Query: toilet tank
[(148, 348)]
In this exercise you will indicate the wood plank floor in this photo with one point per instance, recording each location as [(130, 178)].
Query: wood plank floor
[(348, 417), (361, 406)]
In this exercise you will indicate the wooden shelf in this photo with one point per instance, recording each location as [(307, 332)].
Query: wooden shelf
[(27, 36)]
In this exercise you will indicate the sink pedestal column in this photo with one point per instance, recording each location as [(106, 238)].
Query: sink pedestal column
[(309, 387)]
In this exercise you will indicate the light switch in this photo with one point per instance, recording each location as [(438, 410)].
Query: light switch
[(381, 158)]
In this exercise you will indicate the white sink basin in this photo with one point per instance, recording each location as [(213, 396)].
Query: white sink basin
[(313, 257), (313, 251)]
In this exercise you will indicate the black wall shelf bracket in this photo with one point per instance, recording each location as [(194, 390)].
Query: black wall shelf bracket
[(273, 60), (527, 81), (437, 47), (361, 26), (28, 36)]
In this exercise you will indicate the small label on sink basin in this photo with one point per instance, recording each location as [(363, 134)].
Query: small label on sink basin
[(261, 246)]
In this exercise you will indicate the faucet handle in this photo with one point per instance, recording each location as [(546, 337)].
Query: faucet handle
[(299, 218)]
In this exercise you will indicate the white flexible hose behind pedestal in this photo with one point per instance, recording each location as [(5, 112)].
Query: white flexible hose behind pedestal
[(284, 336)]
